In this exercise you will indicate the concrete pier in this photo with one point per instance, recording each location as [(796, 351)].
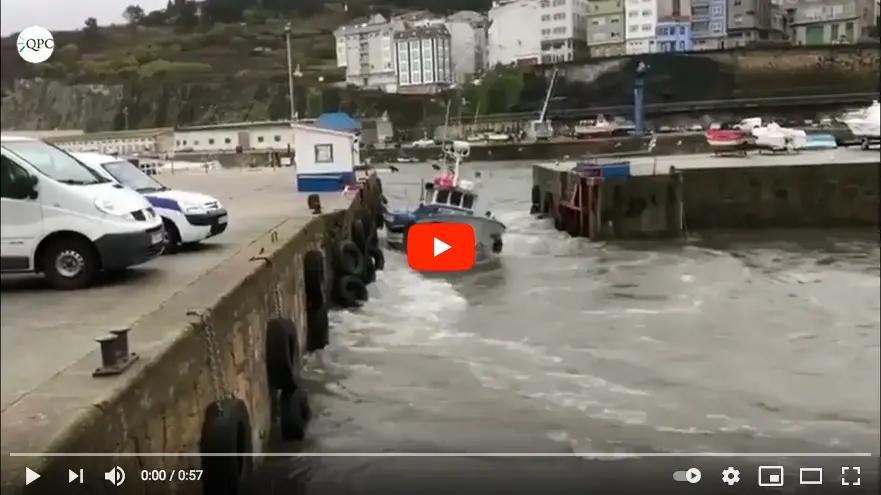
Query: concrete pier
[(672, 195), (52, 404)]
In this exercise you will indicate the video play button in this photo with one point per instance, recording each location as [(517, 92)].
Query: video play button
[(427, 252), (693, 475), (440, 246), (30, 476)]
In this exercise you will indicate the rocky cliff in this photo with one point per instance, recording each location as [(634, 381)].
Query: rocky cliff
[(740, 73), (767, 72)]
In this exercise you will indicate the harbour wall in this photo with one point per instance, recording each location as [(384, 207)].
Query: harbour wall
[(675, 202), (159, 405), (665, 144)]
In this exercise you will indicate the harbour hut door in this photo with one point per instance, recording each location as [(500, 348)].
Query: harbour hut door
[(245, 140)]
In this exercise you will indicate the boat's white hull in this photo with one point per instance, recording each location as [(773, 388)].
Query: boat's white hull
[(487, 234)]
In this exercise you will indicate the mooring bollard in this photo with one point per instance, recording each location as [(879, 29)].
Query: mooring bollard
[(115, 355)]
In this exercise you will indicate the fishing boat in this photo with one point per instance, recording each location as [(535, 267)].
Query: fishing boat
[(450, 198), (865, 125), (601, 127)]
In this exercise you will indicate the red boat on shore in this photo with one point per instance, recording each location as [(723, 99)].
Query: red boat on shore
[(729, 141)]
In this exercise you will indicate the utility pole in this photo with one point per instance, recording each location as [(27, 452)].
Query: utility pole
[(287, 37), (125, 117)]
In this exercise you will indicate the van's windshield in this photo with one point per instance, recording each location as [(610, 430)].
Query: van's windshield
[(55, 163), (127, 174)]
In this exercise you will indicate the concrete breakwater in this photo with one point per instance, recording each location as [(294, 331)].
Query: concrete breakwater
[(204, 344), (665, 144), (674, 195)]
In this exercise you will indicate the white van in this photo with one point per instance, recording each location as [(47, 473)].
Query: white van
[(62, 219), (189, 217)]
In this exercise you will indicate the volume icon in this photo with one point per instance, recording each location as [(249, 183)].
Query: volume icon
[(115, 476)]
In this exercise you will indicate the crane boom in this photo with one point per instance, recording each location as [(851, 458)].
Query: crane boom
[(544, 107)]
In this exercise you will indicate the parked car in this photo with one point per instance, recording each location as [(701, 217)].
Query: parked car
[(62, 219), (189, 217)]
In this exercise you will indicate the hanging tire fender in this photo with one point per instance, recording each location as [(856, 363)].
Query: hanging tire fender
[(369, 275), (294, 413), (317, 328), (226, 429), (375, 253), (350, 291), (348, 258), (313, 277), (282, 354)]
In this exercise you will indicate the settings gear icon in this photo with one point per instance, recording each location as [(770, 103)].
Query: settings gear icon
[(730, 476)]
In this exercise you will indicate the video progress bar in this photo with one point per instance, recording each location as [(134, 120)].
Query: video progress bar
[(601, 455)]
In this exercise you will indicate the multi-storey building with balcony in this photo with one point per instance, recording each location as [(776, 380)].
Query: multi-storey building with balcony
[(749, 21), (709, 24), (513, 36), (605, 28), (674, 34), (640, 22), (821, 22), (423, 58), (364, 48), (563, 30), (468, 36)]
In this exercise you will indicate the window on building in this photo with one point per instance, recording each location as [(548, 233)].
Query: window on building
[(646, 13), (259, 139), (546, 17), (634, 29), (737, 3), (277, 138), (210, 140), (681, 46), (227, 140), (323, 153), (633, 13), (738, 19), (615, 20), (682, 30), (177, 143), (196, 142), (646, 28)]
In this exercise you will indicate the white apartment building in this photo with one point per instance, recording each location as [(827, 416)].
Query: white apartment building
[(468, 37), (513, 35), (640, 26), (563, 30), (423, 58), (826, 22), (364, 48)]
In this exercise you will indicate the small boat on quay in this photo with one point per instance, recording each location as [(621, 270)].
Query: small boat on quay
[(729, 141), (449, 198), (865, 125)]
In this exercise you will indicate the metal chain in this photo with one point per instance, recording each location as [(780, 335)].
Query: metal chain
[(214, 368), (278, 299)]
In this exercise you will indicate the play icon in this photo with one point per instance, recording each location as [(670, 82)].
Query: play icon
[(30, 476), (440, 246)]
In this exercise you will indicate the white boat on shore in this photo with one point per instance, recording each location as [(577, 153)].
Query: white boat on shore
[(865, 125)]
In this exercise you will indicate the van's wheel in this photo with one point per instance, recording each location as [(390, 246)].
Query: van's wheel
[(172, 237), (69, 263)]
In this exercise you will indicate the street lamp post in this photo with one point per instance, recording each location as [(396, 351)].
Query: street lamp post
[(287, 39)]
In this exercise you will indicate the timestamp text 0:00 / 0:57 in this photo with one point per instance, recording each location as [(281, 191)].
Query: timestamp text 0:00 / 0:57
[(171, 474)]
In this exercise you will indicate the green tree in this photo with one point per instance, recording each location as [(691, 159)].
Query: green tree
[(133, 14), (187, 17), (90, 26)]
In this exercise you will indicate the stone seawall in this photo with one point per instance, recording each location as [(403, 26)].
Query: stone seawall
[(834, 194), (159, 404)]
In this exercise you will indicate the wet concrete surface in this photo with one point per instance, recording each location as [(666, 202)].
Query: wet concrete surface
[(46, 331), (741, 343)]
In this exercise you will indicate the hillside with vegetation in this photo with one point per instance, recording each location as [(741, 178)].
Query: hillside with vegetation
[(200, 62)]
